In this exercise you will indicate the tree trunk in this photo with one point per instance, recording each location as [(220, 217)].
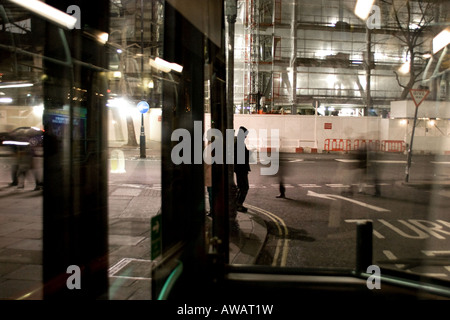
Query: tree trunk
[(412, 78), (132, 141)]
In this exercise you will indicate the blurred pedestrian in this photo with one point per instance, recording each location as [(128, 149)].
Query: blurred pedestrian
[(241, 168), (24, 163), (38, 166), (14, 166), (281, 177), (367, 168)]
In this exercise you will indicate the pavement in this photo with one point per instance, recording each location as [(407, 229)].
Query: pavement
[(130, 210)]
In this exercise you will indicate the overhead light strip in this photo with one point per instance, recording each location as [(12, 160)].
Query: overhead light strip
[(48, 12), (15, 85)]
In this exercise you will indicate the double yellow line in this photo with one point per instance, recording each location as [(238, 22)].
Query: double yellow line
[(283, 232)]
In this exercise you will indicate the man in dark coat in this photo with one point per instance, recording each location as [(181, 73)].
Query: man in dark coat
[(241, 167)]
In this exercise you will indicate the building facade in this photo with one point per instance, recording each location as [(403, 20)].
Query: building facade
[(294, 55)]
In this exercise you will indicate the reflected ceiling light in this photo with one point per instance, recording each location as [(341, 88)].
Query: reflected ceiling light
[(15, 143), (160, 66), (48, 12), (362, 8), (6, 100), (16, 85), (96, 35), (441, 40), (176, 67), (165, 66), (103, 37)]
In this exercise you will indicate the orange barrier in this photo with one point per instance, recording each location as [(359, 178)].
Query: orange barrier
[(337, 145), (393, 146), (376, 145)]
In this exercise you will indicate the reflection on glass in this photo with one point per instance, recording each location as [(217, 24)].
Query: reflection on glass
[(338, 93)]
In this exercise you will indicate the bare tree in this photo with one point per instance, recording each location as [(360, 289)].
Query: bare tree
[(123, 87), (413, 20), (123, 8)]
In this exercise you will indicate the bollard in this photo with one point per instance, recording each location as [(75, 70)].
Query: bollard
[(363, 246)]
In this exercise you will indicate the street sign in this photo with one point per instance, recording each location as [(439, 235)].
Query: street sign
[(143, 106), (156, 240), (418, 95)]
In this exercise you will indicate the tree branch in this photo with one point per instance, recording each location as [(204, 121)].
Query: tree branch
[(398, 80)]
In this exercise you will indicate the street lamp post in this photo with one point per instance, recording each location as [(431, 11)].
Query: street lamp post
[(143, 107), (231, 14), (316, 105), (142, 138)]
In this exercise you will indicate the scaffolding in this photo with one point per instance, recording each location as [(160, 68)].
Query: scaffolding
[(288, 58)]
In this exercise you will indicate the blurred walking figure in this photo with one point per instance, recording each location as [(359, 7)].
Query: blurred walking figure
[(14, 167), (24, 164), (368, 169), (281, 177), (26, 143), (38, 167), (241, 168)]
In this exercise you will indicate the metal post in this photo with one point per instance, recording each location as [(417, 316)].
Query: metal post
[(231, 14), (293, 63), (316, 105), (142, 138), (408, 162), (142, 38), (368, 68), (363, 246)]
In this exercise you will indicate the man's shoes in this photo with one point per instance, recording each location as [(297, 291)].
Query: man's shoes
[(281, 196), (241, 208)]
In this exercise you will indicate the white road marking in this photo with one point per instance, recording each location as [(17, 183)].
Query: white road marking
[(337, 185), (278, 222), (122, 264), (377, 161), (333, 196), (391, 256)]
